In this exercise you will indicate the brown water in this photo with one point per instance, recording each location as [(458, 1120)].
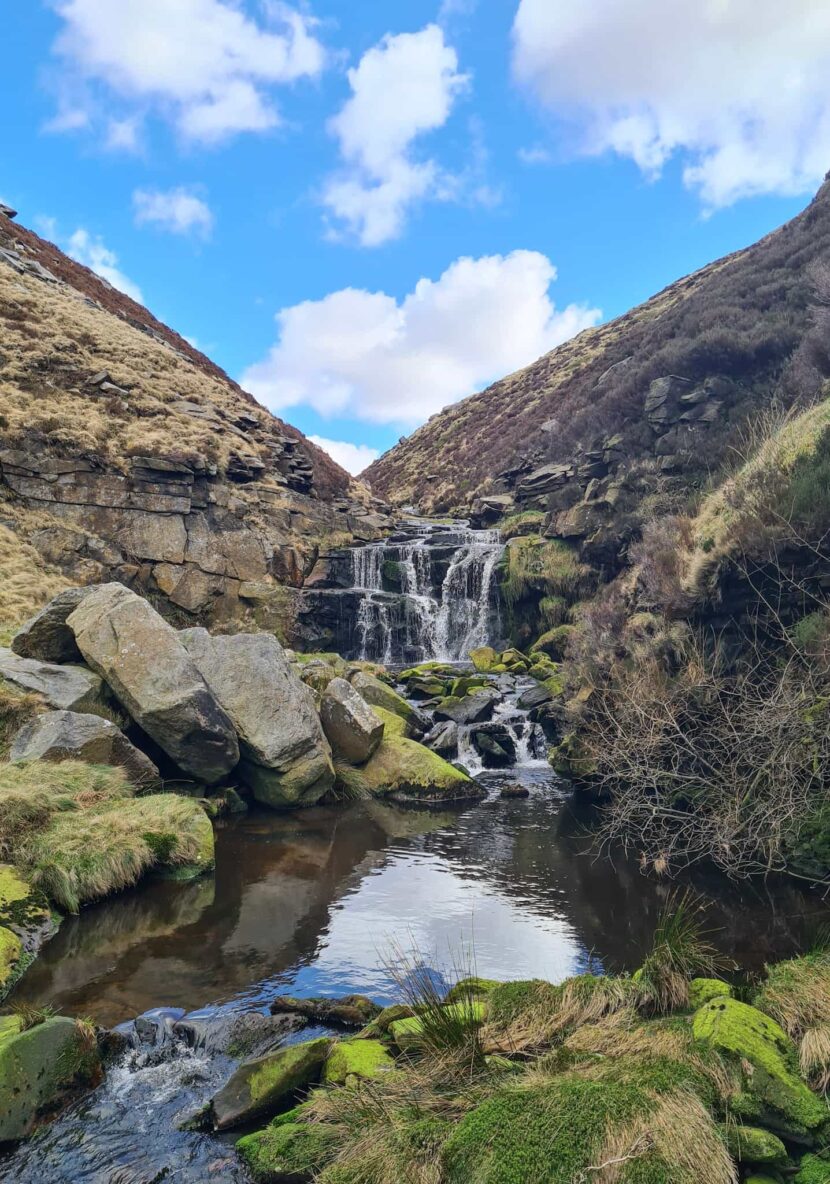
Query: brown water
[(312, 903)]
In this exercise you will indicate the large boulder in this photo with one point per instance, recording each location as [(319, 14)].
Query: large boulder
[(66, 688), (47, 636), (472, 709), (259, 1088), (286, 758), (140, 656), (353, 730), (37, 1068), (378, 694), (71, 736), (407, 772)]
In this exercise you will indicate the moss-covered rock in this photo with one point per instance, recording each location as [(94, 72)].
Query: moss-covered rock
[(378, 694), (465, 683), (287, 1153), (11, 953), (484, 658), (25, 913), (554, 642), (260, 1087), (38, 1067), (569, 759), (409, 1034), (813, 1169), (754, 1145), (381, 1024), (773, 1092), (409, 772), (702, 990), (353, 1059), (473, 986)]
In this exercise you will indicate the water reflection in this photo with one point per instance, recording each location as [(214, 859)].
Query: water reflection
[(313, 902)]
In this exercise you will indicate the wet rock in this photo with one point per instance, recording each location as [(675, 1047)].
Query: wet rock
[(443, 739), (352, 1011), (151, 673), (286, 758), (472, 709), (259, 1088), (352, 728), (47, 636), (37, 1069), (407, 772), (495, 745), (156, 1027), (249, 1035), (69, 735), (534, 697), (378, 694), (514, 791), (67, 688)]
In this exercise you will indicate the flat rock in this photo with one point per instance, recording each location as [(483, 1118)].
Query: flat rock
[(72, 736), (46, 636), (259, 1088), (145, 664), (66, 688), (472, 709), (352, 728), (286, 758)]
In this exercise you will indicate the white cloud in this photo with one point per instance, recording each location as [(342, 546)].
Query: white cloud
[(354, 458), (738, 87), (91, 251), (178, 210), (402, 88), (123, 134), (365, 354), (202, 63), (536, 154)]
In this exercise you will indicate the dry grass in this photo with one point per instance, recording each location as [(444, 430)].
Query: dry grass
[(680, 1131), (26, 582), (797, 995), (32, 794), (548, 566), (547, 1017)]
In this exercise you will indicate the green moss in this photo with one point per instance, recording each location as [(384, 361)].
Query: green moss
[(393, 724), (287, 1150), (748, 1036), (549, 1134), (752, 1144), (465, 988), (285, 1070), (467, 682), (11, 952), (554, 642), (381, 1024), (701, 990), (410, 1033), (484, 658), (357, 1058), (813, 1169), (508, 1001), (403, 767)]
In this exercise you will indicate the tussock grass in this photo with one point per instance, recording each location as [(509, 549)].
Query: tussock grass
[(549, 566), (444, 1029), (527, 1018), (797, 995), (77, 833), (680, 952)]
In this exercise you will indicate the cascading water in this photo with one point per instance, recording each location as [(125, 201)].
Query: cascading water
[(444, 603)]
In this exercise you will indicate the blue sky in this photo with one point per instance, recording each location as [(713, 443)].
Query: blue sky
[(365, 211)]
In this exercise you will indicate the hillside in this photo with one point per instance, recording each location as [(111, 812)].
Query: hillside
[(127, 453), (722, 342)]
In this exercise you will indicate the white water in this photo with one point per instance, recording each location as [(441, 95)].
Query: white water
[(421, 622)]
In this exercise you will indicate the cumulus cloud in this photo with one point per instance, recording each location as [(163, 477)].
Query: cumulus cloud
[(201, 63), (738, 87), (368, 355), (402, 88), (354, 458), (90, 250), (178, 210)]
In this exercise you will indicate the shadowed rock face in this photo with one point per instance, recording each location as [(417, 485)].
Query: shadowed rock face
[(47, 637), (286, 758), (66, 688), (154, 678), (352, 728)]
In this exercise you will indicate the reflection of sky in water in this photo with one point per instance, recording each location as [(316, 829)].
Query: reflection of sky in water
[(418, 902)]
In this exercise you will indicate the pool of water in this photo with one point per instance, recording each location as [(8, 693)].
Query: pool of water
[(315, 902)]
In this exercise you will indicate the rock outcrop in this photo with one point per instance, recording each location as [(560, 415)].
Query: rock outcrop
[(286, 758), (71, 736), (154, 678), (47, 637)]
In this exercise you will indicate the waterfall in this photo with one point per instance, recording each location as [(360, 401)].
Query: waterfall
[(432, 613)]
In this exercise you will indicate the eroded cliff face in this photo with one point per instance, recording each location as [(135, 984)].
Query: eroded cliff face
[(126, 454)]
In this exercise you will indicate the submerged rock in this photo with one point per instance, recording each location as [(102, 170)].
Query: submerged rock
[(286, 758), (38, 1067), (260, 1087), (69, 735), (151, 673), (352, 728), (353, 1011), (47, 636)]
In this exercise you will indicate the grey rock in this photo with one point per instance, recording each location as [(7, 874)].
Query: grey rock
[(534, 697), (68, 688), (152, 675), (443, 739), (286, 758), (72, 736), (352, 728), (260, 1087), (47, 636), (472, 709)]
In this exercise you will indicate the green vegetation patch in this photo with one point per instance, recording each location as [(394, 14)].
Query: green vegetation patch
[(402, 766), (357, 1059), (287, 1151), (752, 1144)]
